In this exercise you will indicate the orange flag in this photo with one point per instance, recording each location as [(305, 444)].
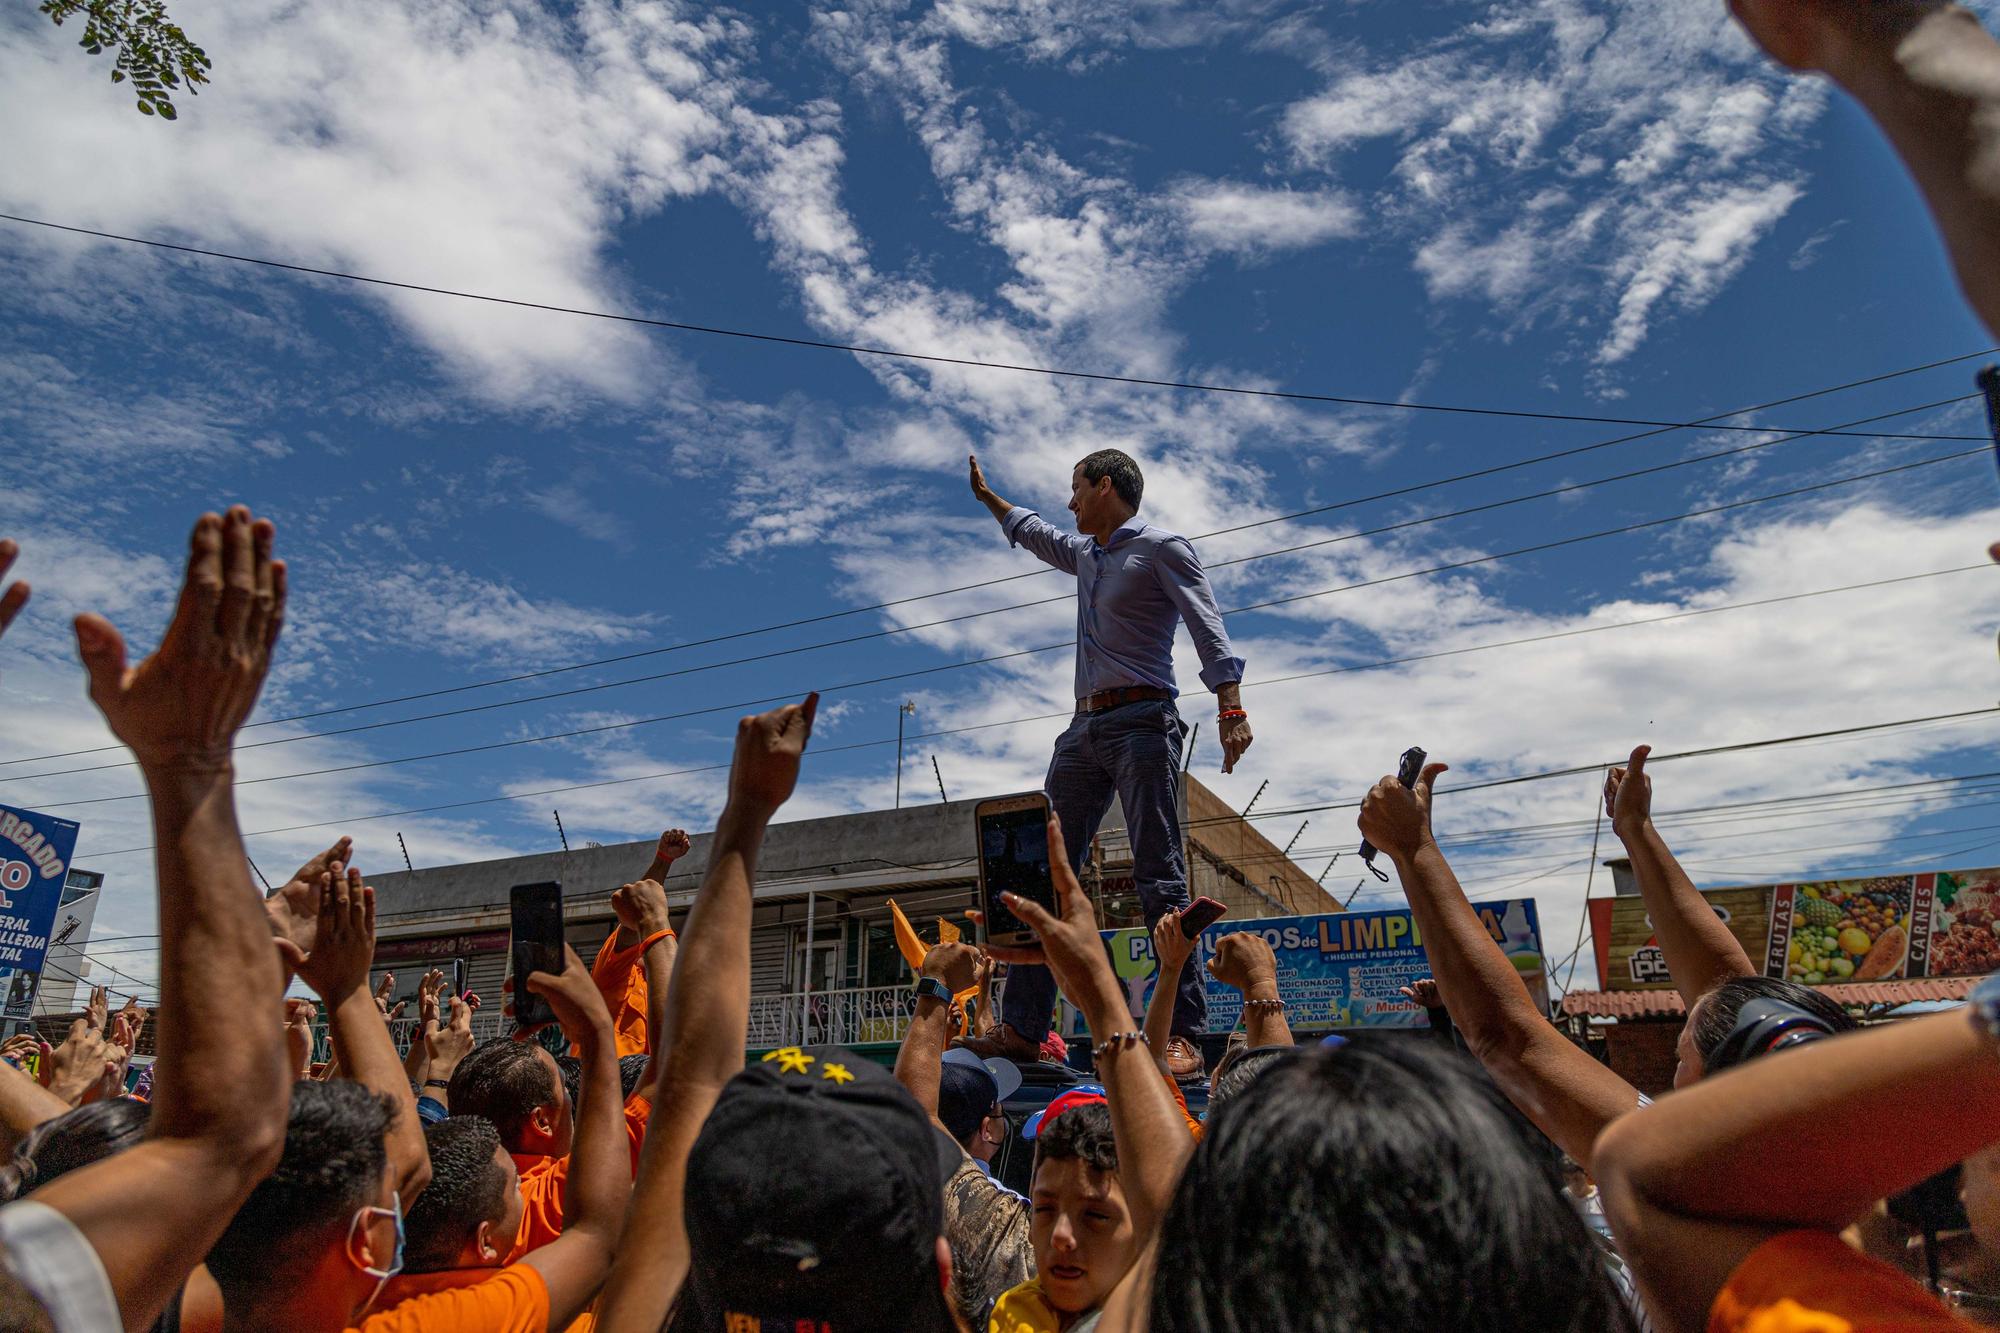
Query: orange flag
[(911, 945)]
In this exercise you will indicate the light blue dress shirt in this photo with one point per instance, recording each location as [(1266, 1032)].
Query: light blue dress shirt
[(1129, 592)]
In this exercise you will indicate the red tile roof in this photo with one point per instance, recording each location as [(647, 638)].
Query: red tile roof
[(1667, 1003)]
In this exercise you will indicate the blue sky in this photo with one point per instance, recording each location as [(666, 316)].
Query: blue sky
[(1615, 210)]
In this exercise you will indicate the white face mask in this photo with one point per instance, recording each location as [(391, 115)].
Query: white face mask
[(381, 1275)]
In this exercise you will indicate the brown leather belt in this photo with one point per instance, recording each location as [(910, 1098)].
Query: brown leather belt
[(1124, 694)]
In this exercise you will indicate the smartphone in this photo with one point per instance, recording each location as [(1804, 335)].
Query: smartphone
[(1013, 836), (1407, 772), (454, 973), (536, 946), (1200, 915)]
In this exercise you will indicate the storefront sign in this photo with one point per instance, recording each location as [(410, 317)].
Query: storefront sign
[(1341, 970), (1819, 932), (440, 946), (35, 851)]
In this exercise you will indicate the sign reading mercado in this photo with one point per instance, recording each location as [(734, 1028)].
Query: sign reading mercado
[(1341, 970), (1886, 927), (35, 852)]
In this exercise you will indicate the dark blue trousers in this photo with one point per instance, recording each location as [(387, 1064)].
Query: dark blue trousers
[(1132, 752)]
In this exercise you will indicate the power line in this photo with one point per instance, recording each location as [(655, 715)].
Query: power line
[(894, 631), (849, 686), (1674, 820), (1661, 428), (1708, 751), (1344, 400)]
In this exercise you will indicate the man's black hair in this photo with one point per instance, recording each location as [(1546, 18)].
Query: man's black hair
[(503, 1081), (1715, 1013), (332, 1166), (1236, 1076), (1123, 471), (965, 1098), (630, 1067), (1082, 1132), (73, 1139), (1376, 1185), (467, 1187)]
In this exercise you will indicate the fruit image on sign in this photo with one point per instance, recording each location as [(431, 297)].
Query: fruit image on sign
[(1850, 930)]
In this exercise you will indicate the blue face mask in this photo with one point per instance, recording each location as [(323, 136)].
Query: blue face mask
[(381, 1275)]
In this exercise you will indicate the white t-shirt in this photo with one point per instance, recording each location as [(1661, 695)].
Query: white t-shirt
[(51, 1258)]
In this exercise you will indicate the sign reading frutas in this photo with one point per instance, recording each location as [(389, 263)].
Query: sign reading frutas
[(1341, 970), (35, 852), (1821, 932)]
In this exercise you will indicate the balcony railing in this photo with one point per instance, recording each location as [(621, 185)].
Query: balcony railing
[(852, 1017)]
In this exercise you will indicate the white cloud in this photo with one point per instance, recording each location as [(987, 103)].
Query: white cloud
[(1249, 219), (436, 608), (491, 149)]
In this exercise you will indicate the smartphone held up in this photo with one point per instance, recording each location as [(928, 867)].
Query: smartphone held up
[(1013, 838), (535, 945)]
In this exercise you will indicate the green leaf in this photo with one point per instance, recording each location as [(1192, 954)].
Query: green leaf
[(146, 107), (118, 76), (167, 111)]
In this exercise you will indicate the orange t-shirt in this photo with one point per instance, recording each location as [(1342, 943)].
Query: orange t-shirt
[(478, 1300), (1180, 1100), (620, 975), (542, 1182), (1811, 1282)]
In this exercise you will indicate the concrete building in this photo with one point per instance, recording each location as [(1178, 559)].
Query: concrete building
[(824, 963), (68, 967)]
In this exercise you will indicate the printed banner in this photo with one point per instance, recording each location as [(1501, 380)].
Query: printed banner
[(35, 851), (1341, 970), (1824, 932)]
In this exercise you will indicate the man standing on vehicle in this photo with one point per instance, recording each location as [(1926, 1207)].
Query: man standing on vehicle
[(1132, 581)]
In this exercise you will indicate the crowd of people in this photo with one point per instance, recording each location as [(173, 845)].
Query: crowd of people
[(644, 1173)]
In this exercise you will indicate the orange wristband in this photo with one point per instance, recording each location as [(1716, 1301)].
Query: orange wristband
[(655, 938)]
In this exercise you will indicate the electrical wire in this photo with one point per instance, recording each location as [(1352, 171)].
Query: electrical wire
[(1382, 495), (1402, 405), (850, 686)]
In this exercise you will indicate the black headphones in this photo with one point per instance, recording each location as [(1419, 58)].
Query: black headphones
[(1762, 1026)]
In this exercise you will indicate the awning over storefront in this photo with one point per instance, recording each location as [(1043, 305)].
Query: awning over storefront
[(1667, 1004)]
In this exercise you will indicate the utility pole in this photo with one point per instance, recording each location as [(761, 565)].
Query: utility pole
[(908, 709)]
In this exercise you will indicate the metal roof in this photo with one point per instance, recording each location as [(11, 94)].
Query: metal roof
[(1667, 1003)]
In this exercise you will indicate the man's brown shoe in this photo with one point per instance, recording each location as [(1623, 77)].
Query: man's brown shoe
[(1183, 1059), (1002, 1043)]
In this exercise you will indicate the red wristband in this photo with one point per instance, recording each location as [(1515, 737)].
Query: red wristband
[(1228, 713)]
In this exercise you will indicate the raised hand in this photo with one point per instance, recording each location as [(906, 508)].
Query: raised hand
[(117, 1055), (573, 995), (1170, 945), (300, 1015), (1628, 793), (769, 747), (674, 844), (182, 706), (979, 487), (383, 990), (451, 1043), (16, 595), (641, 906), (427, 999), (99, 1008), (1397, 819), (956, 965), (17, 1049), (80, 1064), (1242, 960), (294, 906), (345, 936), (1423, 991)]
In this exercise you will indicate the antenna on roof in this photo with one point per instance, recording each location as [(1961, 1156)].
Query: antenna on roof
[(1187, 755), (939, 773), (1295, 838), (1253, 800), (406, 852), (260, 875), (1329, 866), (559, 829)]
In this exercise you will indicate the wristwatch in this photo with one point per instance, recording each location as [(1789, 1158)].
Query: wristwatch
[(934, 988), (437, 1083)]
